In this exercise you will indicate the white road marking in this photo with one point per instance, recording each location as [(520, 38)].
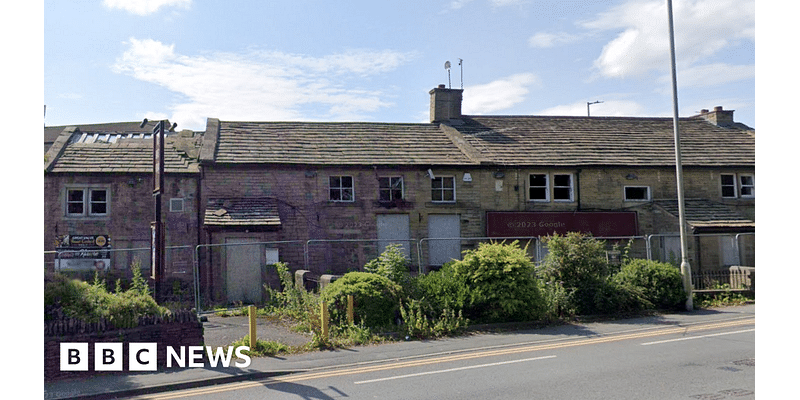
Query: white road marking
[(452, 370), (697, 337)]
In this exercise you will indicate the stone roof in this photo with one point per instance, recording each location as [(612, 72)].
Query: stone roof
[(242, 212), (706, 215), (337, 143), (588, 141), (492, 140), (120, 148)]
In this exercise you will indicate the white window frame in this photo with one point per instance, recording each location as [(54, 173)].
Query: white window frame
[(733, 185), (391, 189), (648, 194), (442, 189), (546, 187), (751, 186), (341, 189), (570, 187), (739, 187), (176, 204), (87, 201)]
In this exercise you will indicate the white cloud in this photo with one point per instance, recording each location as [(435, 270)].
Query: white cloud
[(261, 85), (497, 95), (711, 75), (611, 108), (703, 28), (545, 40), (145, 7)]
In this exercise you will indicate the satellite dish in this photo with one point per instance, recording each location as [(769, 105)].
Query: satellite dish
[(447, 65)]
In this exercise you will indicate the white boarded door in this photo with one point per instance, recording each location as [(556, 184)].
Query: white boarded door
[(243, 264), (394, 229), (442, 227)]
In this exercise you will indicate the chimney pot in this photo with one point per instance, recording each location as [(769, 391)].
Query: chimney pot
[(441, 86), (718, 108)]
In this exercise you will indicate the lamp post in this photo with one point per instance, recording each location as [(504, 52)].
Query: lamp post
[(686, 269)]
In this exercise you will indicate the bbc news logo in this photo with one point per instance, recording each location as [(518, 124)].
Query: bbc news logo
[(144, 356)]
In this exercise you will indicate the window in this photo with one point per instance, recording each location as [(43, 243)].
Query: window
[(562, 187), (87, 202), (443, 189), (637, 193), (390, 188), (341, 188), (539, 188), (747, 185), (738, 186)]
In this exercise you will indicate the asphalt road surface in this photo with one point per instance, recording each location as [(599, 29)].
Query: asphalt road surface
[(709, 359)]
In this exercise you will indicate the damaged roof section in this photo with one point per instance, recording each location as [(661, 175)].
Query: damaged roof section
[(121, 147), (238, 212), (705, 216)]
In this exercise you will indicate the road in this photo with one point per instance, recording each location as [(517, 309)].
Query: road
[(707, 359)]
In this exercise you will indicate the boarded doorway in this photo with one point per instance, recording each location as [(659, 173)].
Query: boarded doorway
[(394, 229), (440, 227), (244, 264)]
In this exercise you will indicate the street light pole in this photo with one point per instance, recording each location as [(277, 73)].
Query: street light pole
[(686, 269)]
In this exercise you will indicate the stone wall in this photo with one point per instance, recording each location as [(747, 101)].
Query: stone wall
[(182, 328)]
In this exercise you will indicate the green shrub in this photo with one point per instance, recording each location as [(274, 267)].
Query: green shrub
[(500, 283), (661, 283), (392, 264), (442, 290), (421, 322), (92, 302), (375, 299), (578, 262)]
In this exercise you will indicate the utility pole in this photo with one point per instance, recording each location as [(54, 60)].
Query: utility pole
[(157, 244), (686, 269)]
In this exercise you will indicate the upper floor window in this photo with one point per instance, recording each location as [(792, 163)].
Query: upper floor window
[(87, 202), (637, 193), (390, 188), (539, 188), (738, 185), (341, 188), (562, 187), (443, 189)]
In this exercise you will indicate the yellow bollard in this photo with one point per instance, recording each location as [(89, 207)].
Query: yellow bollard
[(252, 314), (350, 309), (325, 319)]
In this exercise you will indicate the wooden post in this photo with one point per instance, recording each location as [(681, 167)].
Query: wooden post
[(325, 319), (350, 309), (252, 314)]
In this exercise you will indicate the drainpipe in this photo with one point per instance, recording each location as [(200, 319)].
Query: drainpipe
[(578, 187)]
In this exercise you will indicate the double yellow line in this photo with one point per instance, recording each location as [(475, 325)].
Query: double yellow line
[(560, 344)]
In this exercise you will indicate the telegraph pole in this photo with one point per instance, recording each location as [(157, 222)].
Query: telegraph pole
[(157, 244), (686, 269)]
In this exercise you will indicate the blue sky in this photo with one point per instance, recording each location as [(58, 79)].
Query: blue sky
[(187, 60)]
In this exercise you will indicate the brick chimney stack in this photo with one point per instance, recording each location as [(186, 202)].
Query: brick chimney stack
[(718, 117), (445, 104)]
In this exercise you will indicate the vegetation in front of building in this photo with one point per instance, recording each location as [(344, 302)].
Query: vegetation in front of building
[(494, 283), (93, 302)]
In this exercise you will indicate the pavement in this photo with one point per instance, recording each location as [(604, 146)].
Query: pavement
[(220, 329)]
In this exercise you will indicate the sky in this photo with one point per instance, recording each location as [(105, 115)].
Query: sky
[(299, 60)]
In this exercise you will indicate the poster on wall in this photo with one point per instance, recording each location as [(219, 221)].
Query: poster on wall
[(83, 253)]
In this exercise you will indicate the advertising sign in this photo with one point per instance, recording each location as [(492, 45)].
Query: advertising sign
[(83, 252), (525, 224)]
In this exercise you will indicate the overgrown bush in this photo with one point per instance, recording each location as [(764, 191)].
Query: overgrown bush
[(375, 297), (661, 283), (392, 264), (92, 302), (578, 262), (500, 283)]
